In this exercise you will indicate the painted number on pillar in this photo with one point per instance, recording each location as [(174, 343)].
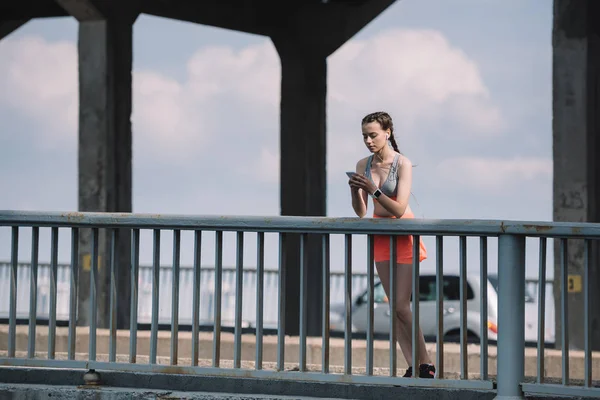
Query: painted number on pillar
[(574, 283), (87, 262)]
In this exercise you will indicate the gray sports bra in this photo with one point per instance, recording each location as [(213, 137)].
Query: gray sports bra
[(389, 185)]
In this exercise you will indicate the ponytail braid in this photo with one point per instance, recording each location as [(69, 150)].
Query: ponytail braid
[(393, 141)]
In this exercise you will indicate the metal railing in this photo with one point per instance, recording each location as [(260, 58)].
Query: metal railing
[(511, 242)]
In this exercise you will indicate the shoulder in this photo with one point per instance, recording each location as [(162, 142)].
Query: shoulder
[(404, 162), (361, 165)]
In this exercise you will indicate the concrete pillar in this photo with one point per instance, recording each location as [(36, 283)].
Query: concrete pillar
[(105, 154), (8, 27), (303, 170), (576, 73)]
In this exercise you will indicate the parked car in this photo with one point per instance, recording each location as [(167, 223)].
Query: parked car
[(427, 309), (531, 311)]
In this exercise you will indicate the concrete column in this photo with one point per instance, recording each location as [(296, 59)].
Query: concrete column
[(8, 27), (303, 171), (105, 155), (576, 73)]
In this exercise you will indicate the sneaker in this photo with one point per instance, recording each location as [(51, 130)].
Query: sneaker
[(427, 371)]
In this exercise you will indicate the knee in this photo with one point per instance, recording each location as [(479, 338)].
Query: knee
[(404, 314)]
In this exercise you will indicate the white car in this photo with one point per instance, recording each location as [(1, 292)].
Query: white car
[(427, 309)]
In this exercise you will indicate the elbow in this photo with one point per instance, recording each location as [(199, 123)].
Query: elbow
[(399, 212), (360, 213)]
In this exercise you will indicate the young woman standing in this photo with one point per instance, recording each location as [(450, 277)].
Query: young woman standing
[(386, 176)]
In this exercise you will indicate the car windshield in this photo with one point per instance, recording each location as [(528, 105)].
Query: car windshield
[(427, 290)]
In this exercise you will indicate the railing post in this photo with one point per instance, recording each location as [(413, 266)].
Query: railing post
[(511, 318)]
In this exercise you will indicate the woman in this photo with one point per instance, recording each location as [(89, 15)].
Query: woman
[(386, 175)]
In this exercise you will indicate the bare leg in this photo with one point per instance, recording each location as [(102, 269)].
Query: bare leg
[(403, 311)]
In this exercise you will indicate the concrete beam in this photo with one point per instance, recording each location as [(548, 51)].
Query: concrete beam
[(97, 10), (331, 24), (8, 27), (350, 18), (105, 155), (250, 16), (576, 144), (25, 10), (333, 21), (82, 10)]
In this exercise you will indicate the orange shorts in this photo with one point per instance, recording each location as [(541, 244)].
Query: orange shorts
[(404, 246)]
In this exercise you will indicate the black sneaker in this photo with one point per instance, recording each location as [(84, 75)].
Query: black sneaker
[(427, 371)]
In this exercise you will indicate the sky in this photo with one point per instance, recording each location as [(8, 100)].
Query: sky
[(468, 84)]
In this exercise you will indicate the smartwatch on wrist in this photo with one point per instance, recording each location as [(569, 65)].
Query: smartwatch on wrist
[(376, 194)]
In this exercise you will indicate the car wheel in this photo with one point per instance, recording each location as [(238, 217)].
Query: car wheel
[(453, 336)]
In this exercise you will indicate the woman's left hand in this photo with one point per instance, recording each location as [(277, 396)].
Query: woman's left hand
[(362, 182)]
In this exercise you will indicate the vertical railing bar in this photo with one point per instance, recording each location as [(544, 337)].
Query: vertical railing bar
[(239, 281), (483, 252), (463, 309), (35, 241), (135, 271), (587, 326), (511, 316), (415, 304), (303, 300), (53, 281), (73, 289), (175, 297), (392, 304), (196, 297), (217, 298), (112, 345), (14, 273), (155, 296), (371, 301), (260, 281), (281, 303), (326, 306), (541, 311), (348, 304), (93, 294), (439, 276), (564, 315)]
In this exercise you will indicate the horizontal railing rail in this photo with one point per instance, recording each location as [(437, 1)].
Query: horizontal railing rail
[(93, 230)]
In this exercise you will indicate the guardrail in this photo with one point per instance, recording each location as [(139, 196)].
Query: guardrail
[(511, 241)]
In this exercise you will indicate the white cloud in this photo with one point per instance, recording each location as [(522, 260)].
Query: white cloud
[(417, 75), (264, 169), (39, 79), (494, 174), (171, 119), (420, 79)]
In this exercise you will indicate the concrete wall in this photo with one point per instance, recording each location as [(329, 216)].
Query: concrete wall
[(553, 358)]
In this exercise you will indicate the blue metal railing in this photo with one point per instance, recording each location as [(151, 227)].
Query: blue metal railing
[(511, 269)]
